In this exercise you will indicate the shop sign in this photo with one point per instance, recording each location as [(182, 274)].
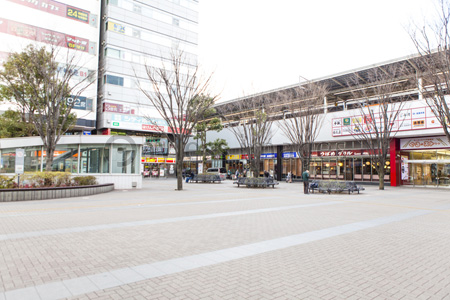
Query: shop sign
[(233, 157), (171, 160), (118, 108), (346, 122), (341, 153), (186, 158), (78, 14), (143, 159), (290, 155), (116, 27), (268, 155), (151, 159), (417, 118), (161, 159), (424, 143)]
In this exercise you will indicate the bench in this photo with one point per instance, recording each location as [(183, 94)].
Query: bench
[(329, 186), (255, 182), (206, 178)]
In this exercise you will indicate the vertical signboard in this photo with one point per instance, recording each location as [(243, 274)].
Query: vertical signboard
[(20, 160)]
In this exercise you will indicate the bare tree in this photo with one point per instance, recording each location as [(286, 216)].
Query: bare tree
[(432, 42), (379, 98), (45, 90), (180, 97), (303, 118), (250, 122)]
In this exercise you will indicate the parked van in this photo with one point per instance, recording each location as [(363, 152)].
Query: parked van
[(219, 171)]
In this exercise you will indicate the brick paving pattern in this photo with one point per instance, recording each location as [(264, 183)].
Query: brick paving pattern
[(80, 248)]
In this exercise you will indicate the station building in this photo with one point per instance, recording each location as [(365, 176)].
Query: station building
[(419, 150)]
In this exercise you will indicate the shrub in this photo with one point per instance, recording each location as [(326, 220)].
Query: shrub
[(85, 180), (7, 182), (47, 179)]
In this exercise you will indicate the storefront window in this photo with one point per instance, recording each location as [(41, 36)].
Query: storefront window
[(94, 159), (8, 161), (340, 169), (367, 169), (65, 158), (358, 164), (124, 159), (326, 169), (32, 159)]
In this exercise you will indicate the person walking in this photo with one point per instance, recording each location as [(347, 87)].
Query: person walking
[(305, 177)]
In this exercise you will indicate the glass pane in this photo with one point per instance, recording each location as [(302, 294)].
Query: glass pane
[(32, 159), (65, 158), (358, 168), (124, 159), (340, 169), (8, 161), (367, 169), (94, 159)]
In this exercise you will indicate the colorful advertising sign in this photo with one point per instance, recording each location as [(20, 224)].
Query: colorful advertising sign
[(408, 119), (118, 108), (77, 14), (56, 8), (116, 27), (43, 35)]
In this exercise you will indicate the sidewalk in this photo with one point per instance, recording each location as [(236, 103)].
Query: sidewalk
[(217, 241)]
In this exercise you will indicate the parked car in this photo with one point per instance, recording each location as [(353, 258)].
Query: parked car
[(219, 171)]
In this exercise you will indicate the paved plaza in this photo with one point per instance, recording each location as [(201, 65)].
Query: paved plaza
[(217, 241)]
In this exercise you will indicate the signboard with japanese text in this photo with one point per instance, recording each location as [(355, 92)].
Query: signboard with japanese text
[(424, 143), (44, 35), (408, 119)]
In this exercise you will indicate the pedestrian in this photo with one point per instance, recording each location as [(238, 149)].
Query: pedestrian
[(266, 174), (305, 177), (288, 177), (237, 173)]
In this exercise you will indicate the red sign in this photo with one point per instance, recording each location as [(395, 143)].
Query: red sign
[(341, 153), (152, 127), (117, 108), (43, 35)]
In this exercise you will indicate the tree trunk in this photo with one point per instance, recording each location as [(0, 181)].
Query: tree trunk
[(381, 177), (49, 158), (179, 165)]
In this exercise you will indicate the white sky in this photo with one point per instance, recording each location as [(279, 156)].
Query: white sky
[(258, 45)]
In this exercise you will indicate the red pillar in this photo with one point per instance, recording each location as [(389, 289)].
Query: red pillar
[(394, 148)]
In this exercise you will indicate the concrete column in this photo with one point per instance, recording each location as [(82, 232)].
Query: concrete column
[(325, 104), (420, 86)]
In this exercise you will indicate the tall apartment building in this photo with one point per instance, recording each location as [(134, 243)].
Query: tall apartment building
[(72, 24), (133, 34)]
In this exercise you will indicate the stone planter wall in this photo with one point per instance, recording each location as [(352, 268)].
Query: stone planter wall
[(7, 195)]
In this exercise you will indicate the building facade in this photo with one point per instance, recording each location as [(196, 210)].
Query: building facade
[(419, 151), (72, 25), (135, 34)]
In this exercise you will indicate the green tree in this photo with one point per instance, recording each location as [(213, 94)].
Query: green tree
[(12, 125), (41, 85), (217, 147), (211, 124)]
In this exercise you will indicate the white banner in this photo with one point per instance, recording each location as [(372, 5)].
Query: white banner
[(437, 142)]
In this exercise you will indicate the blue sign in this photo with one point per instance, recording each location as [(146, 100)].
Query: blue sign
[(290, 155), (86, 133), (268, 155)]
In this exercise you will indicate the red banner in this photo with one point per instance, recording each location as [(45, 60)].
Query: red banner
[(43, 35)]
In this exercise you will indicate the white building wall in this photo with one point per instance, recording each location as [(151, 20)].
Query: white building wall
[(135, 34), (38, 16)]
